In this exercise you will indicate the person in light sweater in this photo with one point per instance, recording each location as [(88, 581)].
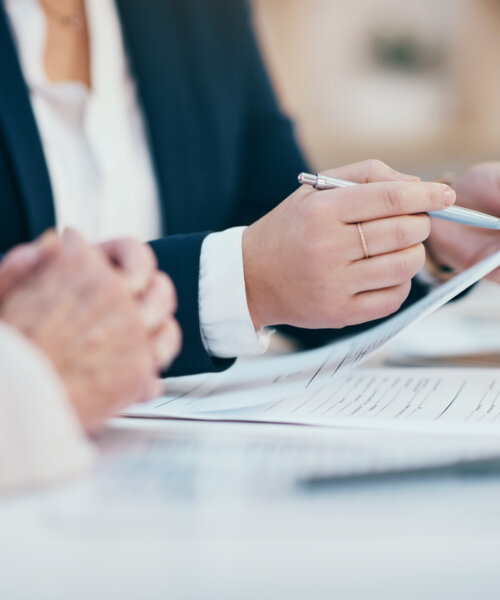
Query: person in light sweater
[(80, 339)]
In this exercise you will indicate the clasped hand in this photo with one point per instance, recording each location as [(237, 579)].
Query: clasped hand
[(103, 316)]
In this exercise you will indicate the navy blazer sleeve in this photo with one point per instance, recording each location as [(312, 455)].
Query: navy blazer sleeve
[(272, 161), (269, 163), (179, 256)]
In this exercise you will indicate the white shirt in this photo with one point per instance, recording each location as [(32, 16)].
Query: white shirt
[(101, 171)]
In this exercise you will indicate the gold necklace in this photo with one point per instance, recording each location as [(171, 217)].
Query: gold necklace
[(76, 21)]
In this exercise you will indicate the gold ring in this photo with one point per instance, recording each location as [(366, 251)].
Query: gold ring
[(363, 240)]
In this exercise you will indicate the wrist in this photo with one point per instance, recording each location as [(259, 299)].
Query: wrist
[(252, 281), (226, 325), (259, 292)]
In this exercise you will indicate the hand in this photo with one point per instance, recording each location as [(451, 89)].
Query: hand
[(154, 293), (79, 312), (460, 246), (152, 290), (304, 262)]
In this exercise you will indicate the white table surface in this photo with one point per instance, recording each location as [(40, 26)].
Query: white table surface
[(426, 537)]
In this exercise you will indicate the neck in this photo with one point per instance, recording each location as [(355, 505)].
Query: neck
[(67, 50)]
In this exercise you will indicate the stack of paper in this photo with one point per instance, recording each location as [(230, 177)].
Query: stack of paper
[(320, 387)]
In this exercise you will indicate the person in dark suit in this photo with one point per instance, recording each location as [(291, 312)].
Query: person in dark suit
[(157, 119)]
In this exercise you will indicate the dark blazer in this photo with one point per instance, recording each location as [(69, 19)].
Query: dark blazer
[(223, 152)]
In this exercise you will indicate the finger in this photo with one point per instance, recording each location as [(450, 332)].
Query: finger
[(73, 243), (387, 270), (158, 303), (159, 388), (20, 262), (136, 261), (388, 235), (167, 344), (369, 306), (369, 171), (17, 265), (389, 199)]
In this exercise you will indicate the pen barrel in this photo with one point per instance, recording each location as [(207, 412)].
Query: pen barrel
[(456, 214), (465, 216)]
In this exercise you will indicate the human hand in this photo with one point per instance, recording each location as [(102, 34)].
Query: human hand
[(304, 261), (460, 246), (153, 292), (79, 312)]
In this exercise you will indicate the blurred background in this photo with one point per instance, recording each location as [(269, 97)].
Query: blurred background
[(414, 83)]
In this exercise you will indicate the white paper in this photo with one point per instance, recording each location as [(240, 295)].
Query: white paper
[(284, 389)]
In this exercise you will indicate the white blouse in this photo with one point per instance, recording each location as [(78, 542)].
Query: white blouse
[(101, 170)]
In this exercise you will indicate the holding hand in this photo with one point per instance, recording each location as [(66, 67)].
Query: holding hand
[(309, 264)]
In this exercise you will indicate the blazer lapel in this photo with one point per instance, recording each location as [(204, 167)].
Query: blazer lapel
[(18, 126)]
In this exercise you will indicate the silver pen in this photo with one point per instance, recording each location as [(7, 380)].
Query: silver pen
[(457, 214)]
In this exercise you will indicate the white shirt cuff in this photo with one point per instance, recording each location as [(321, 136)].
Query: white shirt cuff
[(226, 326)]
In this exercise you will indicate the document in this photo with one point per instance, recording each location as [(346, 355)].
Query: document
[(319, 387)]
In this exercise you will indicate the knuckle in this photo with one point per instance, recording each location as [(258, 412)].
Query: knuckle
[(401, 269), (401, 232), (375, 167), (168, 290), (404, 291), (409, 264), (425, 222), (391, 305), (314, 209), (419, 251), (394, 199), (396, 298), (143, 252)]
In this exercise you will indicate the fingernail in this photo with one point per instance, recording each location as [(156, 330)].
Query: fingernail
[(449, 197)]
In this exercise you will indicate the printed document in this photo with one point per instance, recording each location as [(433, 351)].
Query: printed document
[(319, 387)]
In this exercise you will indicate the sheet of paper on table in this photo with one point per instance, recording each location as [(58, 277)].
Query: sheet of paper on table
[(320, 387)]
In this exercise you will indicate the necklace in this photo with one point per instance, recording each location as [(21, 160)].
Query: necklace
[(75, 21)]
